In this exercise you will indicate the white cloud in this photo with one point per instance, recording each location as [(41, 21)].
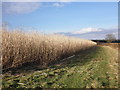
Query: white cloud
[(20, 7), (68, 0), (87, 30), (21, 1), (60, 1), (26, 7), (58, 4), (93, 33)]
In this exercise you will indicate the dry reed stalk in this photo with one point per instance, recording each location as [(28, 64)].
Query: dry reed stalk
[(19, 48)]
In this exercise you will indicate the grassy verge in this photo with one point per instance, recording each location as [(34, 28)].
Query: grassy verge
[(93, 68)]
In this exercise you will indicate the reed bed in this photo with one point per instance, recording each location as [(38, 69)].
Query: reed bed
[(19, 48)]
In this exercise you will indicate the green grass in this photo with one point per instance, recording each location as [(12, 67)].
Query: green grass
[(93, 68)]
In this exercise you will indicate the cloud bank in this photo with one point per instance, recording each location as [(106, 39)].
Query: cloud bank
[(87, 30), (92, 33)]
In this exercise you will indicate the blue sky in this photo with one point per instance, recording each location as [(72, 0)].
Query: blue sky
[(77, 18)]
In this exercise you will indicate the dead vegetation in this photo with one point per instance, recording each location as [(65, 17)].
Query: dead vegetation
[(19, 48)]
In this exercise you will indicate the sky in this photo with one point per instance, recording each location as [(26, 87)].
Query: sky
[(89, 20)]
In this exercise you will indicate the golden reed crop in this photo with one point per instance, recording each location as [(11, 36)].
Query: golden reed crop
[(19, 48)]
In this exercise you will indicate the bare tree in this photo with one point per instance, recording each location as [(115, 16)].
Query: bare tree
[(110, 37)]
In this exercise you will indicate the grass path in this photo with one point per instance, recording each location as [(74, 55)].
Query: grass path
[(93, 68)]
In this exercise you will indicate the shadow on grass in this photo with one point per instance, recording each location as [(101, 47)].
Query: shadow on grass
[(80, 58)]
